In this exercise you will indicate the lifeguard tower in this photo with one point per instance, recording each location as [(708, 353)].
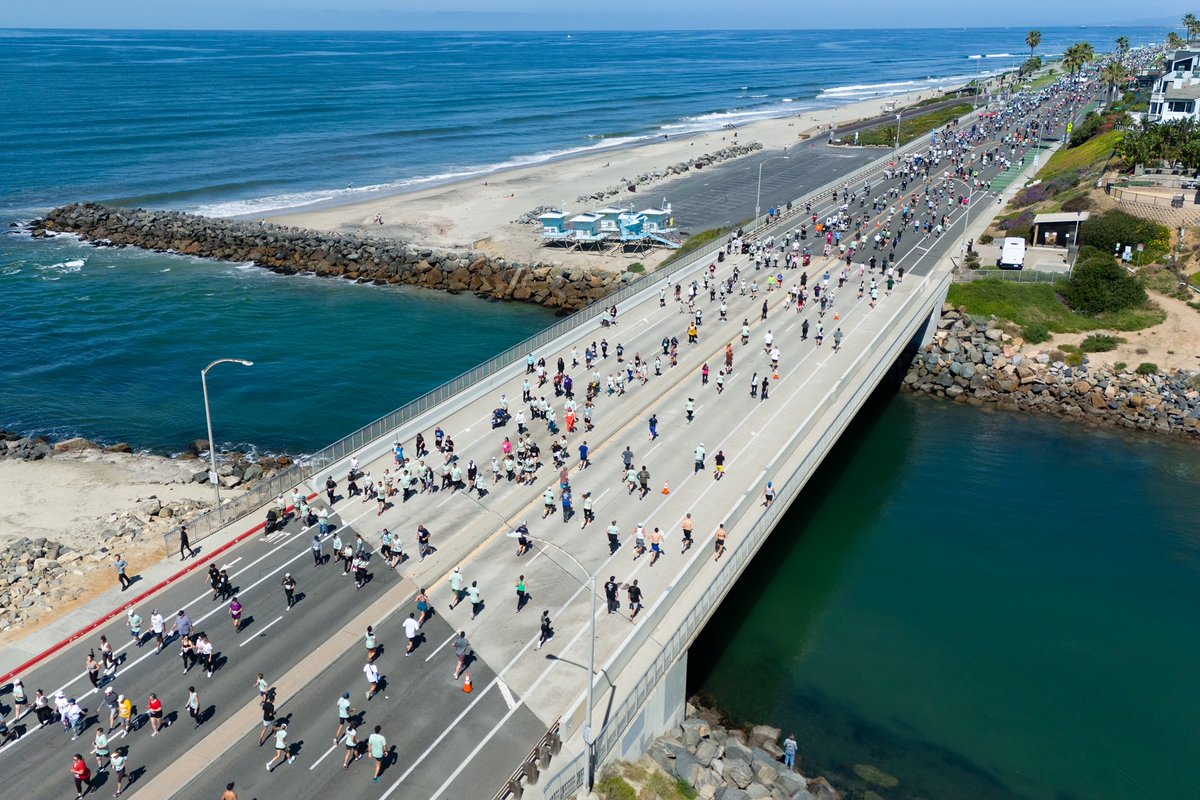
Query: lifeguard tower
[(554, 227), (585, 229)]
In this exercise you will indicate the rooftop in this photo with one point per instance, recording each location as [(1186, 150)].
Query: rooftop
[(1065, 216), (1189, 92)]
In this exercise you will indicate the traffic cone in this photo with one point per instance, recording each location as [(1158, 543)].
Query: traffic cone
[(776, 375), (666, 487), (836, 317), (467, 683)]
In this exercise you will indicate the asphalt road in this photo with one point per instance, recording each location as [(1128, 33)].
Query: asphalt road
[(449, 743)]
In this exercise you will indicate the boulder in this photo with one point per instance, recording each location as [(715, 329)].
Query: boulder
[(820, 789), (738, 772), (764, 733), (76, 444)]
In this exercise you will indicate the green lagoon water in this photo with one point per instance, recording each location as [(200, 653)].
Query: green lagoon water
[(982, 605)]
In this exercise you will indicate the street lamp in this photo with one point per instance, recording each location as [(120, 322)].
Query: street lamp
[(758, 194), (212, 448), (896, 149), (591, 585)]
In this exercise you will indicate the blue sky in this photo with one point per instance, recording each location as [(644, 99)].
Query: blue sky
[(560, 15)]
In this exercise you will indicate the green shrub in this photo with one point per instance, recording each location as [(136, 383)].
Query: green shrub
[(1074, 359), (636, 266), (1120, 366), (613, 787), (1100, 343), (1100, 284), (1035, 333), (986, 238), (1147, 368), (1091, 125), (1021, 232), (1106, 231)]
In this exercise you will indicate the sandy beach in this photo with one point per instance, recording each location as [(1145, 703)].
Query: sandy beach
[(478, 213)]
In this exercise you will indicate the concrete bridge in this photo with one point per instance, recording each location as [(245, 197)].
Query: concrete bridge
[(524, 726)]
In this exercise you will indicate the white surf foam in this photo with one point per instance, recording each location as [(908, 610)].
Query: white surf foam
[(64, 267)]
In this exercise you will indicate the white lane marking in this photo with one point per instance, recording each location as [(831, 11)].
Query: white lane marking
[(506, 693), (323, 755), (231, 563), (261, 632), (439, 647)]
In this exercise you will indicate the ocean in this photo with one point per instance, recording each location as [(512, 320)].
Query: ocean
[(108, 344), (983, 606)]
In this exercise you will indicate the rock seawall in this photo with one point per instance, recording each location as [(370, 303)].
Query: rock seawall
[(732, 764), (972, 360), (358, 258)]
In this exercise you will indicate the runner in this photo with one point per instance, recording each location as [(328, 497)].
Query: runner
[(378, 747), (719, 542), (119, 761), (656, 539), (154, 708), (82, 775), (193, 706), (635, 599), (268, 717), (412, 629), (282, 748), (372, 645), (687, 532), (373, 676), (289, 589), (344, 711), (462, 649)]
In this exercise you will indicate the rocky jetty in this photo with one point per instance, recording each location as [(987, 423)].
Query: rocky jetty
[(972, 360), (233, 468), (646, 178), (732, 764), (343, 255)]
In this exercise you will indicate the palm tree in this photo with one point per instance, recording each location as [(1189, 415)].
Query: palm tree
[(1033, 39), (1114, 73), (1175, 41), (1192, 25), (1077, 55), (1122, 44)]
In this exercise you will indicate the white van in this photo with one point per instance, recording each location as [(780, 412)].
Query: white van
[(1012, 253)]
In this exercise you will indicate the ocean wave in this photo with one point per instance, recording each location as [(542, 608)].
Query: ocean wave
[(998, 55), (10, 270), (863, 91), (64, 267), (296, 200)]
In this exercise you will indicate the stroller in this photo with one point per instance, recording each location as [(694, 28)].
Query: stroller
[(499, 418)]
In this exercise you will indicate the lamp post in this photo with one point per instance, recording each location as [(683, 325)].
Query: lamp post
[(758, 194), (212, 448), (896, 149), (588, 738)]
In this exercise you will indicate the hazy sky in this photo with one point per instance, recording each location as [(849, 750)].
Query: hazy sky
[(560, 15)]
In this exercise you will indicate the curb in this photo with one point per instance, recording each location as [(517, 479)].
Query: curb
[(79, 634)]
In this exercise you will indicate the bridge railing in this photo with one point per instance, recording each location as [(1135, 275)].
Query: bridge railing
[(388, 425), (572, 776)]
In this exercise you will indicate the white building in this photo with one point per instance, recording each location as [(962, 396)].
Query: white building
[(1176, 93)]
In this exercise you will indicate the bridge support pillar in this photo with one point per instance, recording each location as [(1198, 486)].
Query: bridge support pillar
[(931, 325), (664, 709)]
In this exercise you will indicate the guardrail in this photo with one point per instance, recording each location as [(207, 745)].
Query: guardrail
[(309, 466), (1015, 275), (572, 777), (537, 760)]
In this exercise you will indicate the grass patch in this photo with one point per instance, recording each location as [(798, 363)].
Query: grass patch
[(1037, 304), (1147, 368), (1120, 366), (1044, 80), (636, 266), (700, 241), (614, 787), (1100, 343), (1087, 155), (913, 127)]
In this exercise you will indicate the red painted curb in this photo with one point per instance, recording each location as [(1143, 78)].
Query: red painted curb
[(74, 637)]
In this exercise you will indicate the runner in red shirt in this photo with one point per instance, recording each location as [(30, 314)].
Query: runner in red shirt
[(82, 775)]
